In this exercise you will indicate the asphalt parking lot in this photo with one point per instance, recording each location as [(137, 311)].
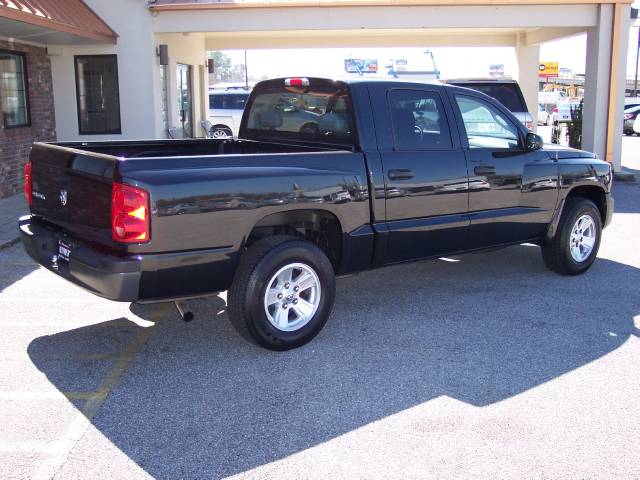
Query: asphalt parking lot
[(487, 366)]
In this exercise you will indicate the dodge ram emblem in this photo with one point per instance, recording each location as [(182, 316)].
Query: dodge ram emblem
[(63, 197)]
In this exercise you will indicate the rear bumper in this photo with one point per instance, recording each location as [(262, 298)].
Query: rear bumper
[(109, 276), (129, 278)]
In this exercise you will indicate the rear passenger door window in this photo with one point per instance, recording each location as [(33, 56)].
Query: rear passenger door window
[(418, 121)]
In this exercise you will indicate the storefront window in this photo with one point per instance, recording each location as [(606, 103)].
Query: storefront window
[(13, 89)]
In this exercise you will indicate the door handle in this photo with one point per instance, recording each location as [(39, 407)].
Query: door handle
[(485, 170), (400, 174)]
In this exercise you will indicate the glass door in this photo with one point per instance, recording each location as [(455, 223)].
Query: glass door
[(185, 95)]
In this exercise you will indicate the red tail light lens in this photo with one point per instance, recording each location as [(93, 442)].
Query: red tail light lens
[(28, 192), (129, 214), (555, 109)]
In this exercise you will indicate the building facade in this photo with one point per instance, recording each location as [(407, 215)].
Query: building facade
[(109, 80), (26, 93), (27, 30)]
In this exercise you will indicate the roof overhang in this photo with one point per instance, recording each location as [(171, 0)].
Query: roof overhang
[(175, 5), (53, 22)]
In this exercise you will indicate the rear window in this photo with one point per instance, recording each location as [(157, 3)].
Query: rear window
[(228, 101), (507, 94), (320, 112)]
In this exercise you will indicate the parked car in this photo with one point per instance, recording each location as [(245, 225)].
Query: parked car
[(564, 110), (505, 91), (547, 114), (631, 102), (630, 115), (105, 215), (289, 114), (225, 111), (636, 125)]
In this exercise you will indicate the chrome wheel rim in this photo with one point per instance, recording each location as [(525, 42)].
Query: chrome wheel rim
[(220, 134), (292, 297), (583, 238)]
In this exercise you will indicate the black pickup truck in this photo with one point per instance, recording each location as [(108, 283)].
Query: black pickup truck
[(328, 178)]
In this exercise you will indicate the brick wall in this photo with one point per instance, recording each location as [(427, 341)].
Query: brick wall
[(15, 143)]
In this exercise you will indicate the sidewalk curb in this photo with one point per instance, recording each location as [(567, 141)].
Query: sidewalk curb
[(624, 177)]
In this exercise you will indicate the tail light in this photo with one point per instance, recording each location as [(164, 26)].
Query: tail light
[(529, 125), (28, 192), (628, 116), (555, 109), (129, 214)]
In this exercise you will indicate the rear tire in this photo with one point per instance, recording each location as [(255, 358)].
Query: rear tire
[(575, 245), (282, 293)]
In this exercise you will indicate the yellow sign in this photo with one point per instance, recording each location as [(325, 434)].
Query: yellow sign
[(548, 69)]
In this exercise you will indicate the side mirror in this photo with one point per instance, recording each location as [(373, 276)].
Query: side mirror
[(534, 142)]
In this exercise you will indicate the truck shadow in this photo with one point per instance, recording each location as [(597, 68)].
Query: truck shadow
[(197, 401)]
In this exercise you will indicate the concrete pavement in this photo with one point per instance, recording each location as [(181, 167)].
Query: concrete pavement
[(11, 208)]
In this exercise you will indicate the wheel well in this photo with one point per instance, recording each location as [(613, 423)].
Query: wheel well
[(221, 125), (595, 194), (317, 226)]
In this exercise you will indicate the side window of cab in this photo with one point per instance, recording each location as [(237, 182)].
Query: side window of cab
[(486, 126), (418, 121)]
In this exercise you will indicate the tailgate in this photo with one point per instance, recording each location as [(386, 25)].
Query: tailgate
[(72, 190)]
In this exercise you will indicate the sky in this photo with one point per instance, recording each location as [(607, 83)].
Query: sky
[(452, 62)]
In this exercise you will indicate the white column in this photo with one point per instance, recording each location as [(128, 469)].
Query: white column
[(618, 87), (596, 88), (528, 62)]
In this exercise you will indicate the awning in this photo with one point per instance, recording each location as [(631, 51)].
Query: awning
[(53, 21), (169, 5)]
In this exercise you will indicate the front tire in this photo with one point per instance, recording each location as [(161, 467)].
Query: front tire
[(575, 245), (282, 293)]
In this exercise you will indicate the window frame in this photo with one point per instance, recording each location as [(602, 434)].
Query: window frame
[(438, 97), (76, 59), (25, 72), (497, 106)]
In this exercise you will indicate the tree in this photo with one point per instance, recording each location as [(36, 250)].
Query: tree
[(223, 70), (574, 129)]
